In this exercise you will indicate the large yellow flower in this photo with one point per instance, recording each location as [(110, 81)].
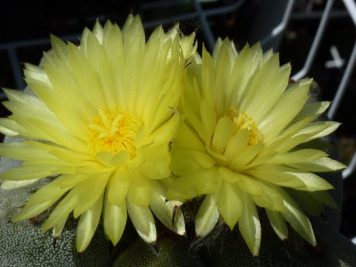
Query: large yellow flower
[(99, 124), (240, 144)]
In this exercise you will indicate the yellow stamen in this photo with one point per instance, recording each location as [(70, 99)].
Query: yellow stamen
[(114, 131), (244, 121)]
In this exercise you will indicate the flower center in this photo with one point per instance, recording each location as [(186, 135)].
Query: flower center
[(114, 131), (244, 121)]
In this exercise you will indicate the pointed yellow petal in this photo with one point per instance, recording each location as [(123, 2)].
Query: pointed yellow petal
[(21, 151), (246, 183), (208, 116), (59, 47), (236, 144), (207, 216), (88, 192), (32, 211), (245, 66), (298, 220), (270, 199), (319, 165), (318, 130), (87, 225), (115, 218), (168, 212), (222, 134), (289, 105), (11, 128), (312, 110), (29, 106), (140, 190), (165, 132), (117, 187), (315, 130), (266, 86), (229, 202), (44, 198), (56, 189), (62, 210), (8, 185), (302, 155), (288, 177), (58, 228), (278, 224), (98, 32), (249, 225), (241, 161), (143, 221), (28, 173)]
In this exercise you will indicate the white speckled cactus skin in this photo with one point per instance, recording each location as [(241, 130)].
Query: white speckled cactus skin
[(22, 244)]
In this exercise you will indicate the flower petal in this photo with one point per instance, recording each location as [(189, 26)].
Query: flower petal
[(249, 224), (168, 212), (187, 161), (285, 110), (270, 199), (228, 200), (88, 192), (298, 156), (266, 86), (115, 217), (319, 165), (28, 173), (236, 144), (244, 68), (87, 225), (8, 185), (313, 131), (187, 138), (157, 160), (22, 151), (192, 185), (223, 131), (140, 190), (62, 210), (298, 220), (288, 177), (143, 221), (207, 216), (208, 117), (117, 187), (278, 224)]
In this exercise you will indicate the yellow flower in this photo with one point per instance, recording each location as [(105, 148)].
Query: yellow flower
[(99, 124), (241, 144)]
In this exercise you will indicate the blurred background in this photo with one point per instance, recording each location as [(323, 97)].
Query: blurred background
[(318, 37)]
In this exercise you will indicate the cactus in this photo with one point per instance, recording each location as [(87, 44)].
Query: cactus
[(226, 248), (23, 244)]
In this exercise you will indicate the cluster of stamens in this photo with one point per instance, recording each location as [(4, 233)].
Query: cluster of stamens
[(114, 131), (243, 121)]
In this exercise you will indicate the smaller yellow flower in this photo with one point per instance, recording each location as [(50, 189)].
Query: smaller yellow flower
[(99, 125), (244, 143)]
